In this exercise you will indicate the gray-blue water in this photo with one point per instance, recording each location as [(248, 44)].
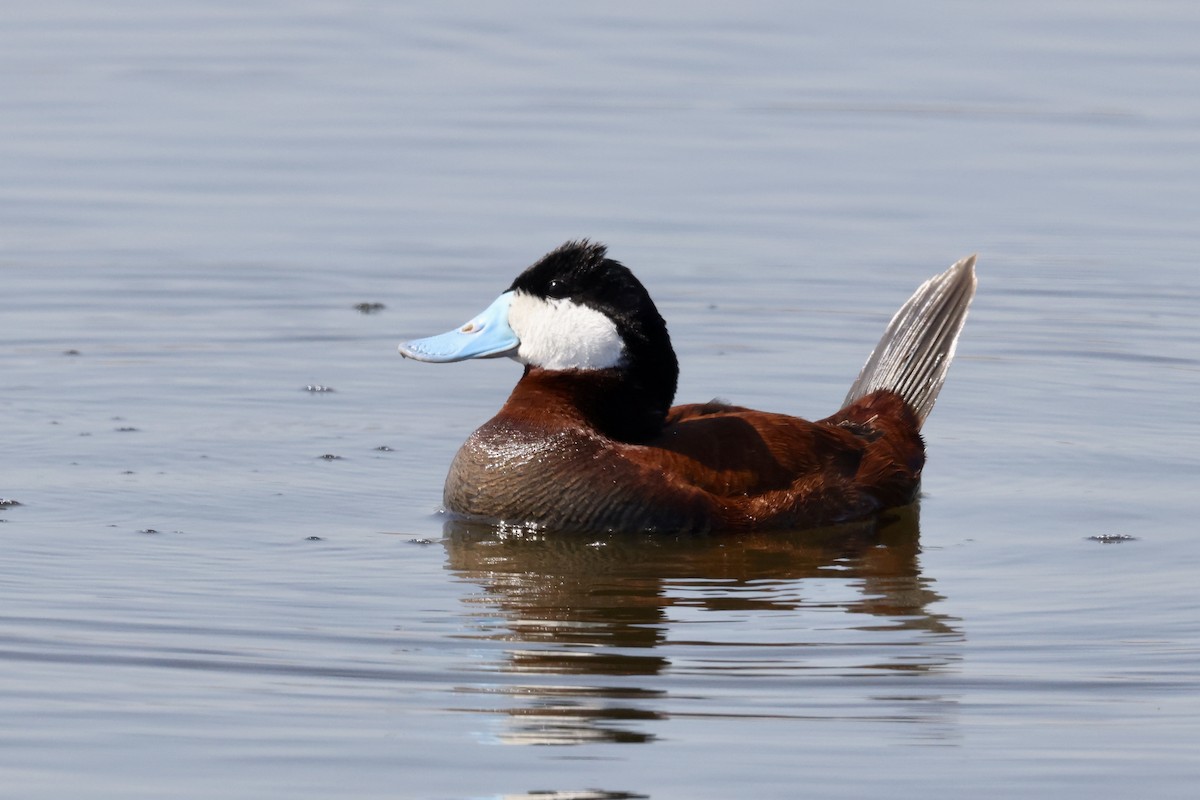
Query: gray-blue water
[(198, 600)]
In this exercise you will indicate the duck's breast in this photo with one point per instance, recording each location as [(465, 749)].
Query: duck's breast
[(565, 478)]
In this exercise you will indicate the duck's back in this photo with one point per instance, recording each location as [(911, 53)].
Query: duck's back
[(773, 470)]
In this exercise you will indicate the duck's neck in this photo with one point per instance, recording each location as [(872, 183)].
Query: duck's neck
[(609, 401)]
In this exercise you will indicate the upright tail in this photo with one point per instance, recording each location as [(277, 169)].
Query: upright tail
[(916, 349)]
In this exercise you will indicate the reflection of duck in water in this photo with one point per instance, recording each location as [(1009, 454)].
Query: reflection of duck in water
[(630, 625), (588, 440)]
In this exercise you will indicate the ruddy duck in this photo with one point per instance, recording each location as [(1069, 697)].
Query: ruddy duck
[(588, 440)]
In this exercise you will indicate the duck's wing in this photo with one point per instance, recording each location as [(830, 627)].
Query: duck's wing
[(756, 468), (729, 450)]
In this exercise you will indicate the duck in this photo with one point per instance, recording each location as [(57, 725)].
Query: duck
[(590, 441)]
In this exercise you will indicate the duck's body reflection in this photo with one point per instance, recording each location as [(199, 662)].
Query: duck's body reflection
[(625, 613)]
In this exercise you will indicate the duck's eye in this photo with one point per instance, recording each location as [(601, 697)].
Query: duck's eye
[(557, 289)]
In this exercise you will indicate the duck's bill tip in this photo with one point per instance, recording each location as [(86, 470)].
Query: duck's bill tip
[(423, 350)]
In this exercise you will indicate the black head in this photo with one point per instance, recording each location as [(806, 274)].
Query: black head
[(580, 272)]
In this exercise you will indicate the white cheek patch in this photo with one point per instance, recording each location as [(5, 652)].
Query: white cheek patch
[(558, 334)]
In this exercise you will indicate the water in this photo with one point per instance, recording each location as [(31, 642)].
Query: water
[(218, 584)]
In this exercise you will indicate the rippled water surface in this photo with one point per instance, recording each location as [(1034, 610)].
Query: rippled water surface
[(225, 573)]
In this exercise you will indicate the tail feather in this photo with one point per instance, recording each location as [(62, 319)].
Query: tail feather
[(915, 352)]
